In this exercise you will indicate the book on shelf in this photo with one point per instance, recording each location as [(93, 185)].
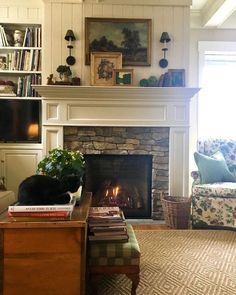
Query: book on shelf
[(43, 208)]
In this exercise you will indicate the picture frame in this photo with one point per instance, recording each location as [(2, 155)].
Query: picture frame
[(102, 67), (3, 62), (177, 77), (123, 77), (118, 35)]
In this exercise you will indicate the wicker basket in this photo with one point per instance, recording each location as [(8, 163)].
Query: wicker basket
[(176, 211)]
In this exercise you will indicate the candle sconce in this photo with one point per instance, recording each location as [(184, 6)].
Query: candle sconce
[(163, 63), (70, 37)]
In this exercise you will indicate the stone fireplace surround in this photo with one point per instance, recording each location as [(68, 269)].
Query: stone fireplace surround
[(137, 141), (122, 107)]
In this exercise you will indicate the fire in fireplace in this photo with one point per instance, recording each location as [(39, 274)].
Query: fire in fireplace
[(121, 180)]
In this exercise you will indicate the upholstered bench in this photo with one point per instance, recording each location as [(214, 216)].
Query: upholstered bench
[(114, 258)]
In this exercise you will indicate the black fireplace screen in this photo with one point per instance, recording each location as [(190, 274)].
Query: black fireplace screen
[(121, 180)]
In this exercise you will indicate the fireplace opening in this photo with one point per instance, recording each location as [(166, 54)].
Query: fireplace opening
[(121, 180)]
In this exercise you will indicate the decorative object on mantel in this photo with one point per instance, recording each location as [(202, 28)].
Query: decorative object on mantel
[(50, 80), (123, 77), (70, 37), (177, 77), (64, 74), (163, 63), (75, 81), (102, 66), (152, 81)]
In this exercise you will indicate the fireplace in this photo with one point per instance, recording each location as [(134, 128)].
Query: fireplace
[(130, 107), (146, 146), (121, 180)]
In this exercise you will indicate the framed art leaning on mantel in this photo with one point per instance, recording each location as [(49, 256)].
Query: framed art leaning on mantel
[(131, 37), (102, 67)]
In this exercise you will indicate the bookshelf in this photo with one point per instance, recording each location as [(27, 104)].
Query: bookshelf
[(20, 59), (20, 67)]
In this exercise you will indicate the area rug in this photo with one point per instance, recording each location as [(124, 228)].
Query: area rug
[(181, 262)]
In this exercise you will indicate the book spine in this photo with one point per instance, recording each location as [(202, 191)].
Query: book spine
[(40, 208), (38, 219), (39, 214)]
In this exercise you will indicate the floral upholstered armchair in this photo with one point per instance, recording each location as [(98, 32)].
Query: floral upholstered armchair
[(214, 186)]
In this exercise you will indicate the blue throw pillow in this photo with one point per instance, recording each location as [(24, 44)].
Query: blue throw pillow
[(213, 169)]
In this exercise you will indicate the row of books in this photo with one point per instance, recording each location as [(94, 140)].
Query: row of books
[(3, 37), (19, 212), (107, 224), (24, 85), (22, 60), (32, 37)]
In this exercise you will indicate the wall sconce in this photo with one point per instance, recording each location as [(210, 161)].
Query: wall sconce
[(70, 37), (163, 63)]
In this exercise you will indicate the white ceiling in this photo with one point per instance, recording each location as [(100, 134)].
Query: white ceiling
[(214, 13)]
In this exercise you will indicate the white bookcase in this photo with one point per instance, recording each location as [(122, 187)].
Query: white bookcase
[(20, 59), (20, 67)]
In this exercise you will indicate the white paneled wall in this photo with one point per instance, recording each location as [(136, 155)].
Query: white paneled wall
[(57, 16), (61, 16), (24, 11)]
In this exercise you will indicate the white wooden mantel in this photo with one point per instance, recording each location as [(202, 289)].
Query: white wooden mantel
[(122, 106)]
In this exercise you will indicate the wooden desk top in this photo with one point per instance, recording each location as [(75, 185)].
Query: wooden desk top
[(79, 218)]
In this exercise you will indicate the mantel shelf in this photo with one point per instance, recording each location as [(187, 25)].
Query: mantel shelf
[(114, 92)]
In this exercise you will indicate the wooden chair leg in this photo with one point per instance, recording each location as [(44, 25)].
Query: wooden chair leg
[(135, 281), (95, 279)]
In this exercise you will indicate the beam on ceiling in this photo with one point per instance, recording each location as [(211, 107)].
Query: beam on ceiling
[(215, 12)]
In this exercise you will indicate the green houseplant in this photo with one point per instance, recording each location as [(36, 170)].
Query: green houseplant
[(62, 162), (64, 72)]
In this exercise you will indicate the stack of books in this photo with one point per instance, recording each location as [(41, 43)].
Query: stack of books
[(19, 212), (107, 224)]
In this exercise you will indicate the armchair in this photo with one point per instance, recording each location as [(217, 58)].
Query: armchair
[(214, 185)]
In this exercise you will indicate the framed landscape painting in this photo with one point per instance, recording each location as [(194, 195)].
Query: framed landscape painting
[(131, 37), (102, 67)]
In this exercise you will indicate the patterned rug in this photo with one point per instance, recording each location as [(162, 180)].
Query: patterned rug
[(181, 262)]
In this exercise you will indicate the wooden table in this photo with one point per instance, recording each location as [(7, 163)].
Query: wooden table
[(44, 257)]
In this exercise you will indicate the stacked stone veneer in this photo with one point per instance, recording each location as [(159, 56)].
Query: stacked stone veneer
[(127, 141)]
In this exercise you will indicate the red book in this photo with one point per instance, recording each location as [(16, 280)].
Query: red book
[(40, 214)]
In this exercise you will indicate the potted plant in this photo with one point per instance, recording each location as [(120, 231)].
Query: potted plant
[(62, 162), (64, 72)]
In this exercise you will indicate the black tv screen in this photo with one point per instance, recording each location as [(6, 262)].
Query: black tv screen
[(20, 121)]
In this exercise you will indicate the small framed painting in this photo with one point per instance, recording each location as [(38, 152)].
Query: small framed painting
[(103, 65), (123, 77), (177, 77)]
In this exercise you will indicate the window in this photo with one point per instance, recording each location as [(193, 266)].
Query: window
[(217, 99)]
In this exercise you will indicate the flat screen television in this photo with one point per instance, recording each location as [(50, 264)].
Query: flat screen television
[(20, 121)]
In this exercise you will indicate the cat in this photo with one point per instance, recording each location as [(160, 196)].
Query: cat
[(46, 190)]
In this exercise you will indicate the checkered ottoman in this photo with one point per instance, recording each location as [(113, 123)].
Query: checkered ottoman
[(114, 258)]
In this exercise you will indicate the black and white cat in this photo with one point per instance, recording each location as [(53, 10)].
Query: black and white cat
[(46, 190)]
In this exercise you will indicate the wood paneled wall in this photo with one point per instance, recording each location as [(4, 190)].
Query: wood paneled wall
[(59, 17)]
